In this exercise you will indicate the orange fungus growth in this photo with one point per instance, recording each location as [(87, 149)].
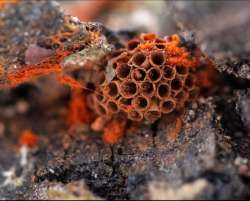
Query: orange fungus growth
[(67, 80), (113, 131), (175, 130), (78, 110), (28, 138), (27, 73), (30, 71)]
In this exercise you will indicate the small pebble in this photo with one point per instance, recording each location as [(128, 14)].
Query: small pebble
[(191, 113), (194, 105), (239, 161), (22, 107), (243, 170)]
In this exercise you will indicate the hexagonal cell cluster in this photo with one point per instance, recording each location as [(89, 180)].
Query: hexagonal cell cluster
[(145, 83)]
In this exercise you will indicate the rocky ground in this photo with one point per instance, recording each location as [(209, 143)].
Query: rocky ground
[(208, 159)]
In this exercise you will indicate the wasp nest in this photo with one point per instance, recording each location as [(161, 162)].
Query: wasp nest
[(151, 77)]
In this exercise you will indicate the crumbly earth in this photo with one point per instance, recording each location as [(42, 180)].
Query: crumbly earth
[(208, 159)]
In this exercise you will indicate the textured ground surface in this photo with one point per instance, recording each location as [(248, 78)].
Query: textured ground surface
[(209, 159)]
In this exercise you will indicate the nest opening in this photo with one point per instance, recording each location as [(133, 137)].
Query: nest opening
[(123, 71), (133, 44), (139, 74), (157, 58), (154, 74), (140, 103), (160, 46), (135, 116), (181, 70), (176, 84), (152, 115), (138, 59), (163, 90), (168, 106), (159, 40), (99, 97), (125, 101), (168, 72), (117, 53), (128, 88), (147, 88), (112, 106), (112, 89), (101, 109)]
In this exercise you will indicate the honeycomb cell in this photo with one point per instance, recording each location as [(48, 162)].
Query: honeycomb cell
[(169, 72), (123, 71), (101, 109), (138, 74), (124, 103), (167, 105), (129, 89), (117, 53), (133, 44), (163, 90), (182, 71), (123, 57), (152, 115), (154, 74), (135, 115), (157, 58), (160, 46), (112, 89), (112, 106), (147, 88), (176, 84), (146, 65), (160, 41), (140, 103), (138, 59), (100, 97)]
